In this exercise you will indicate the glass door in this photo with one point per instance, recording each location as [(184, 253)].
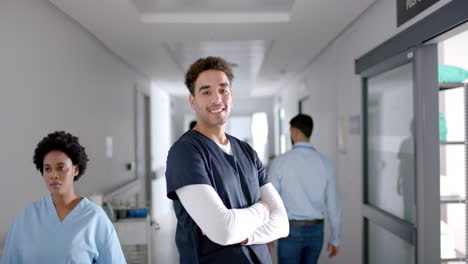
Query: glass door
[(401, 180)]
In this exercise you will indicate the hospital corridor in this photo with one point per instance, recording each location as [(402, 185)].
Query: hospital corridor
[(384, 82)]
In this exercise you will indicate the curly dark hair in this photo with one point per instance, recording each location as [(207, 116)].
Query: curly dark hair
[(204, 64), (63, 141)]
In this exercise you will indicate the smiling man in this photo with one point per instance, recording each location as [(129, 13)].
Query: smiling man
[(226, 208)]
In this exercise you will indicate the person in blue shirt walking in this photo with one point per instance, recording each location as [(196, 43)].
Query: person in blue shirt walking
[(305, 181), (62, 227)]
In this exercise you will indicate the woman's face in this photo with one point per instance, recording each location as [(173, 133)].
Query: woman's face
[(59, 172)]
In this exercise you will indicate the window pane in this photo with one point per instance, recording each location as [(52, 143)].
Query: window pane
[(453, 231), (260, 135), (452, 175), (391, 170), (387, 248), (452, 115)]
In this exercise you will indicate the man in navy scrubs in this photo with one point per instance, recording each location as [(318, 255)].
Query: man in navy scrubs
[(226, 208)]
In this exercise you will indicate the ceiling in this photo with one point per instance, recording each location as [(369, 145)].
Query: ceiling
[(268, 41)]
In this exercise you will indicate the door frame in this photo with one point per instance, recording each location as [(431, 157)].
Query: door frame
[(424, 234), (431, 29), (444, 19)]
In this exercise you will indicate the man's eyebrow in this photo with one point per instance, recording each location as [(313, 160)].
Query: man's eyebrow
[(224, 84), (203, 87)]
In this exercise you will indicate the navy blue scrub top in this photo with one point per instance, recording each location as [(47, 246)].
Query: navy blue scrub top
[(196, 159)]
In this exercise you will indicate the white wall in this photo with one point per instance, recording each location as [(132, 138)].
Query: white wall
[(161, 126), (455, 52), (164, 249), (161, 143), (181, 115), (289, 98), (335, 92), (56, 76)]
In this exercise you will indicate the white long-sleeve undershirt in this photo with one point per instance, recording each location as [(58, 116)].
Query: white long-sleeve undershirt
[(278, 223), (231, 226)]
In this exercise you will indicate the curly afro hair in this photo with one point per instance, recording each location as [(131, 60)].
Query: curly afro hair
[(63, 141), (205, 64)]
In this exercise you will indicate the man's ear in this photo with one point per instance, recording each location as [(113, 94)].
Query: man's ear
[(192, 101), (293, 132)]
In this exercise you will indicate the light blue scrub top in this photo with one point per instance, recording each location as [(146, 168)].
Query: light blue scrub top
[(86, 235)]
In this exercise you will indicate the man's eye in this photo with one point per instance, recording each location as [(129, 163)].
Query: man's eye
[(48, 169), (61, 168), (205, 93)]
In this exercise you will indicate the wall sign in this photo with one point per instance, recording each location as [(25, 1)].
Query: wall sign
[(407, 9)]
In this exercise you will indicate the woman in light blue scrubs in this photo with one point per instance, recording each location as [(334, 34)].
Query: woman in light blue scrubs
[(62, 227)]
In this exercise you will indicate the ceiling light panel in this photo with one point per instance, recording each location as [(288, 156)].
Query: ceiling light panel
[(214, 11), (210, 6), (247, 56)]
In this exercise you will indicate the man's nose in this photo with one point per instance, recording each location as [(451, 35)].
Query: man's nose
[(216, 98)]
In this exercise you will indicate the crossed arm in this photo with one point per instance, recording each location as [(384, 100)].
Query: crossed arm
[(257, 223)]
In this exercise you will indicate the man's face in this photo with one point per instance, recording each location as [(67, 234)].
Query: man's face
[(213, 98)]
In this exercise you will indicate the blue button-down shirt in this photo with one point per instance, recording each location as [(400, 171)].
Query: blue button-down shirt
[(305, 181)]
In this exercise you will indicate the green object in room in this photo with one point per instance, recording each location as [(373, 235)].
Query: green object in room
[(442, 127), (129, 166), (452, 74)]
